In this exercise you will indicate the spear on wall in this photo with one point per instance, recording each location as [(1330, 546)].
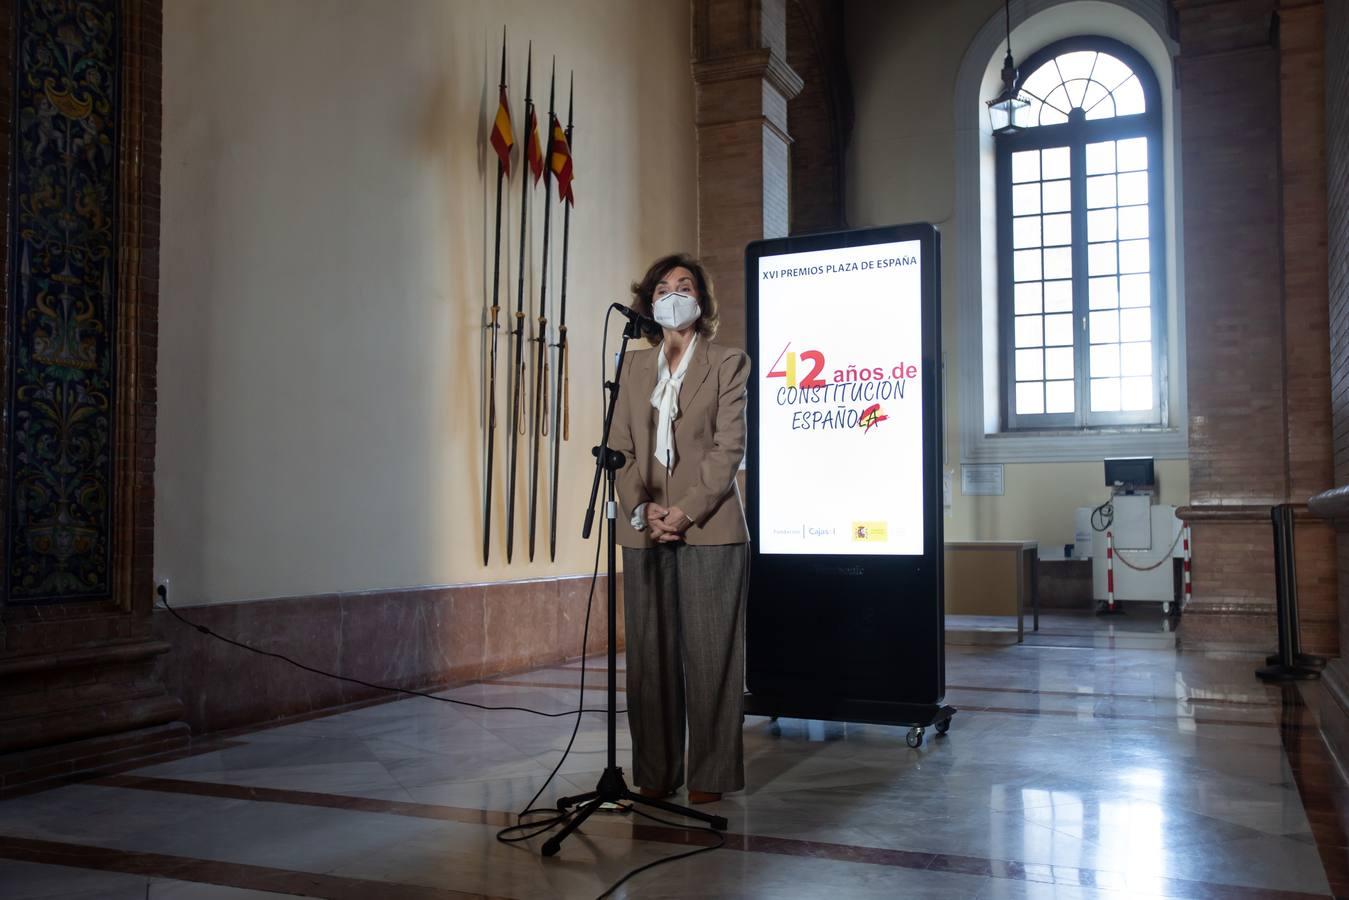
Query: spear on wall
[(538, 421), (502, 139), (518, 335), (562, 168)]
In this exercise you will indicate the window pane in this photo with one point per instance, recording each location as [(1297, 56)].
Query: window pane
[(1058, 229), (1101, 225), (1059, 330), (1104, 360), (1103, 293), (1101, 158), (1027, 298), (1095, 94), (1134, 256), (1077, 64), (1136, 393), (1059, 362), (1135, 324), (1101, 259), (1050, 115), (1030, 365), (1133, 222), (1026, 265), (1058, 196), (1103, 110), (1026, 232), (1055, 163), (1135, 359), (1105, 395), (1077, 90), (1059, 397), (1133, 188), (1133, 154), (1134, 290), (1030, 398), (1028, 331), (1100, 191), (1110, 71), (1129, 98), (1059, 296), (1044, 79), (1104, 327), (1025, 166), (1025, 199), (1057, 101), (1059, 262)]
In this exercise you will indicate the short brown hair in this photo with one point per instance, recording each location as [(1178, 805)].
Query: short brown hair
[(643, 290)]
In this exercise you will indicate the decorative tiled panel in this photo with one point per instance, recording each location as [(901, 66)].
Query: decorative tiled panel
[(61, 365)]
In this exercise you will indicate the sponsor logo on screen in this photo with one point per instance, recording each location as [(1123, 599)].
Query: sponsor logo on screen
[(869, 532)]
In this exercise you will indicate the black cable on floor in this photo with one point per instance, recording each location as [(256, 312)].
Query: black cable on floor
[(721, 842), (164, 597), (508, 834)]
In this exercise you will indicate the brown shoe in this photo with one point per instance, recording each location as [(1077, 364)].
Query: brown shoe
[(704, 796), (654, 793)]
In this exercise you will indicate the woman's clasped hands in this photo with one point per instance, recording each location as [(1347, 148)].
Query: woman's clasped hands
[(667, 525)]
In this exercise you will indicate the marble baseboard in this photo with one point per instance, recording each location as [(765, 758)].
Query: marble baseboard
[(412, 638)]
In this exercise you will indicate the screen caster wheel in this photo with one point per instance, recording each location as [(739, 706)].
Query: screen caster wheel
[(943, 726), (914, 738)]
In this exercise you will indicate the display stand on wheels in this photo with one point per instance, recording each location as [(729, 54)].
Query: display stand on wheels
[(845, 618)]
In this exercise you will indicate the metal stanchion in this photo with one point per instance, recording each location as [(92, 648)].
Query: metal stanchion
[(1290, 663)]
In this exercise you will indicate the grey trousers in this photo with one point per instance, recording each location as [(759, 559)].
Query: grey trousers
[(685, 625)]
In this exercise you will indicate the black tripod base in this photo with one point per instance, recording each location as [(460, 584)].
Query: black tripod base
[(1300, 660), (612, 789), (1279, 672)]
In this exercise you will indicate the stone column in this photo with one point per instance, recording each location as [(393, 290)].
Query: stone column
[(742, 85)]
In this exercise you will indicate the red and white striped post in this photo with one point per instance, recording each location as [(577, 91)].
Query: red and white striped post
[(1110, 570), (1185, 566)]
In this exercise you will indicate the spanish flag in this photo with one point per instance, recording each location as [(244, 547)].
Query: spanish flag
[(503, 135), (561, 163), (532, 146)]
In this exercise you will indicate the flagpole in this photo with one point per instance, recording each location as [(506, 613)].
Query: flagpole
[(538, 420), (518, 335), (562, 399), (495, 327)]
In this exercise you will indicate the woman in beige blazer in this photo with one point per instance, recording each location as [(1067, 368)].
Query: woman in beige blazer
[(680, 425)]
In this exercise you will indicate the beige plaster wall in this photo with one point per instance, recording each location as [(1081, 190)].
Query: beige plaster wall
[(327, 211)]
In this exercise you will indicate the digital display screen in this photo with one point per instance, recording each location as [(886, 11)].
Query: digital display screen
[(840, 402)]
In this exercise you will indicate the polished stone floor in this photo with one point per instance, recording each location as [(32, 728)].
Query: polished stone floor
[(1097, 759)]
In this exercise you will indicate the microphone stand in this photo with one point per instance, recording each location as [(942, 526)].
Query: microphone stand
[(612, 787)]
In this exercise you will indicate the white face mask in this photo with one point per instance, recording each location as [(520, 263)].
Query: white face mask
[(675, 311)]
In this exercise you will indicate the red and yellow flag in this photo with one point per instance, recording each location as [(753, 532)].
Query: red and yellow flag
[(561, 163), (535, 154), (503, 135)]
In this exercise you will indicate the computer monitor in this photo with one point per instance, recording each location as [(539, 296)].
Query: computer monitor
[(1134, 471)]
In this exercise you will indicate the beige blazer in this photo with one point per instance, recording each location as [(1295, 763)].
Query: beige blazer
[(709, 443)]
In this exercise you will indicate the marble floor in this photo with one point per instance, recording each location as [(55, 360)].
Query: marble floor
[(1100, 758)]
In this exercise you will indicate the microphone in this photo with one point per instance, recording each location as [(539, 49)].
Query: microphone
[(642, 324)]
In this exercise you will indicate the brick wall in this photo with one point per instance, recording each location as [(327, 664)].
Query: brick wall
[(818, 116), (1252, 108)]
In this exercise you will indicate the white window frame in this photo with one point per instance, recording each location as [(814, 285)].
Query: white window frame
[(1142, 24)]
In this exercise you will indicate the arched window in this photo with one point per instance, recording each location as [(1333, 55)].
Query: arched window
[(1080, 248)]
